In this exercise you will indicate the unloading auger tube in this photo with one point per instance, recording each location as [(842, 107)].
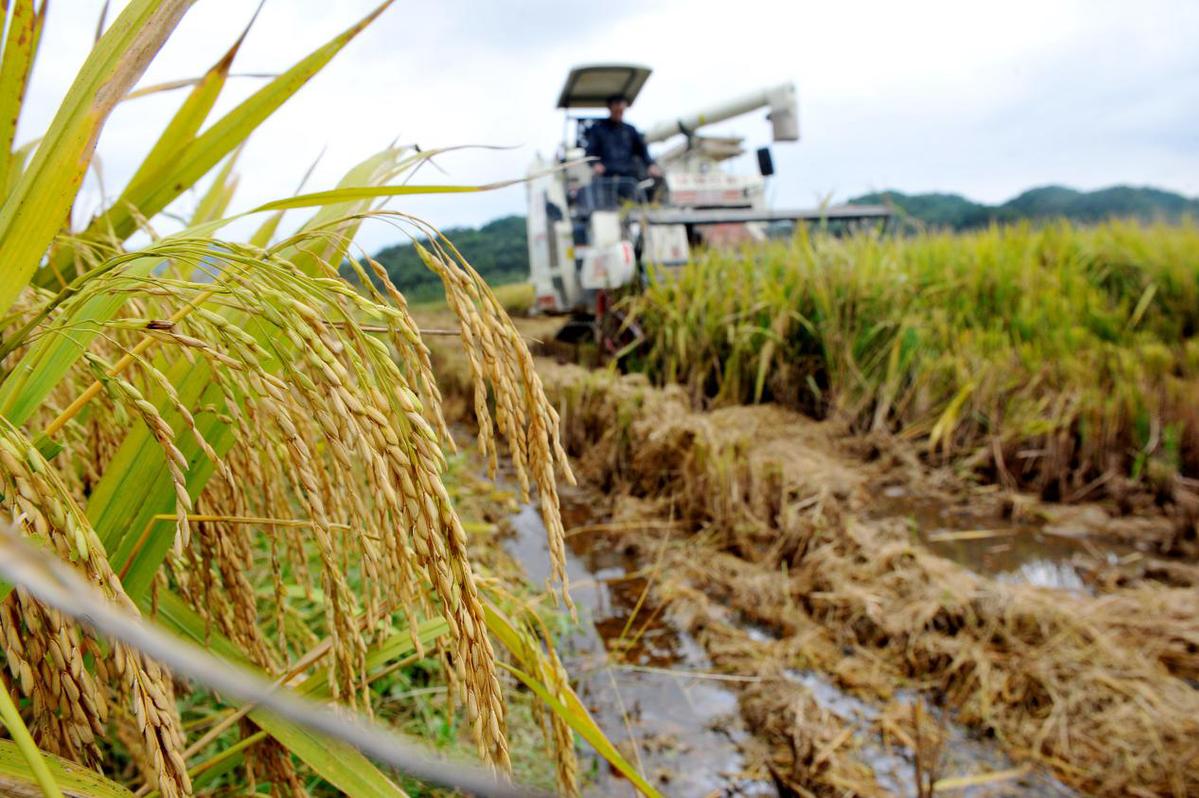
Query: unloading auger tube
[(780, 99)]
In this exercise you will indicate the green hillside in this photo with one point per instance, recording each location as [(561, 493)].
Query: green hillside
[(956, 212), (497, 250)]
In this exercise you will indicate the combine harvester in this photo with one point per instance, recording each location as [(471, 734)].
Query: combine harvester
[(592, 237)]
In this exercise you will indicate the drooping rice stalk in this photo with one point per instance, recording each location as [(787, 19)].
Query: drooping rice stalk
[(209, 432)]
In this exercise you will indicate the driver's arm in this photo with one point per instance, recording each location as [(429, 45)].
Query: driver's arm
[(642, 152), (595, 149)]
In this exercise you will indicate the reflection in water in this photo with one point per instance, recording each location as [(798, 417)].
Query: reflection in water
[(1046, 573), (963, 753), (685, 729), (1024, 553)]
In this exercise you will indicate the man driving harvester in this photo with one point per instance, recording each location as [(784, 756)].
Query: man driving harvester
[(620, 149)]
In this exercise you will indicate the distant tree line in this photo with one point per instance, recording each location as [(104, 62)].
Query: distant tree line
[(955, 212), (499, 252)]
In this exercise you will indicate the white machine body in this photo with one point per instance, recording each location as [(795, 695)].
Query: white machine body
[(552, 266), (578, 247), (666, 245), (608, 267)]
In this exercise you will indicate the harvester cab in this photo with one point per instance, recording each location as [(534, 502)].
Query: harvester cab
[(592, 237)]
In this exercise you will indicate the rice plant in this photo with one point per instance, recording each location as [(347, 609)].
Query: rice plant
[(230, 439), (1049, 357)]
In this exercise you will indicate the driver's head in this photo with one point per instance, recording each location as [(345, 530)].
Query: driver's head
[(616, 105)]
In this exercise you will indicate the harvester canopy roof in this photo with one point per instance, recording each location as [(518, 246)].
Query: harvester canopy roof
[(591, 85)]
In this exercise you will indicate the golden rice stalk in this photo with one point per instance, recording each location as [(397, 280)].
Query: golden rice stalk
[(338, 434), (498, 356), (39, 499)]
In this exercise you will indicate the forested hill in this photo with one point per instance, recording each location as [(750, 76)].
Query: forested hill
[(499, 252), (955, 212)]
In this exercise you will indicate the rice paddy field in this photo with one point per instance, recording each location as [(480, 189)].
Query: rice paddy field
[(893, 515), (1059, 359), (864, 515)]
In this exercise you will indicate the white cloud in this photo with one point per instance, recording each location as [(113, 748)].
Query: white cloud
[(976, 98)]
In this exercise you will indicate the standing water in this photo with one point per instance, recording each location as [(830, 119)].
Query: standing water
[(649, 686), (643, 679), (962, 754), (1031, 553)]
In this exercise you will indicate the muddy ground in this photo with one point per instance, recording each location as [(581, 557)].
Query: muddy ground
[(779, 607)]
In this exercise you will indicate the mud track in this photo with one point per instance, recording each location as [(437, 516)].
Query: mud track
[(791, 557)]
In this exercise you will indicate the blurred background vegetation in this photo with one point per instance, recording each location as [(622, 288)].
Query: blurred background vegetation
[(498, 249)]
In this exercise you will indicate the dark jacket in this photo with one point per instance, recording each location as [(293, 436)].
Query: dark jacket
[(619, 148)]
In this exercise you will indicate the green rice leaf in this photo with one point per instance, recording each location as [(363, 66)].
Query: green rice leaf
[(337, 763), (184, 125), (34, 762), (216, 199), (567, 706), (24, 31), (321, 198), (32, 215), (50, 357), (16, 779), (196, 157)]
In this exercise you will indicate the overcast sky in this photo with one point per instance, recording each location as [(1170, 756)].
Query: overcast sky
[(979, 98)]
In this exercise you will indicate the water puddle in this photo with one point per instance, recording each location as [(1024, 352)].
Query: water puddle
[(645, 680), (632, 674), (1047, 573), (1019, 553), (962, 754)]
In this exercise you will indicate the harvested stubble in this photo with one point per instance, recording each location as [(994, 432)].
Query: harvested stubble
[(1048, 358), (806, 749), (1091, 687)]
